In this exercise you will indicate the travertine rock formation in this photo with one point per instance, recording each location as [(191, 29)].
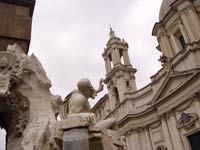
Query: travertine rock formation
[(26, 111)]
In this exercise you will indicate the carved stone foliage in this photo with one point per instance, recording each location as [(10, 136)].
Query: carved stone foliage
[(19, 114), (25, 94), (164, 59), (187, 121), (14, 108)]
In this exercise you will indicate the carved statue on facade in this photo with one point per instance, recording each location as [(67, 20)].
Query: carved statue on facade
[(187, 120)]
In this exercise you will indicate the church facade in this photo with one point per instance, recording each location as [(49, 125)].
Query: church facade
[(165, 113)]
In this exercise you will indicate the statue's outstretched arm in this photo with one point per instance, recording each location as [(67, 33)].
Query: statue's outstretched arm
[(100, 86)]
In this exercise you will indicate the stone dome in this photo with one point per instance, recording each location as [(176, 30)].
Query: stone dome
[(165, 8)]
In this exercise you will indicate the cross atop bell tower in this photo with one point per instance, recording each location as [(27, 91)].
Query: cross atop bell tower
[(120, 77), (15, 23)]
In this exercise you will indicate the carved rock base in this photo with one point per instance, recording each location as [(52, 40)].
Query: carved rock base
[(76, 133), (76, 139)]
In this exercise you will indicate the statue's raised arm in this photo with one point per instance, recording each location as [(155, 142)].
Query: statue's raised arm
[(101, 85)]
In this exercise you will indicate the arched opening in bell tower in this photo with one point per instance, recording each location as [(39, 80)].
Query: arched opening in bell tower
[(180, 39), (121, 56), (111, 62)]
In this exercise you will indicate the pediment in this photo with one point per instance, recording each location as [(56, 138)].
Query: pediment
[(171, 84)]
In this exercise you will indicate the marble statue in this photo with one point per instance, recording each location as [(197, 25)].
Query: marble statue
[(28, 110), (76, 104), (23, 85), (78, 128)]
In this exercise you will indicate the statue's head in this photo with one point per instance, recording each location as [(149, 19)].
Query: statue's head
[(86, 88)]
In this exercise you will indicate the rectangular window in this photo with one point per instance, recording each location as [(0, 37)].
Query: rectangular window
[(127, 83), (182, 41), (194, 140)]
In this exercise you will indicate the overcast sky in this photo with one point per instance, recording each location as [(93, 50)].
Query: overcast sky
[(68, 37)]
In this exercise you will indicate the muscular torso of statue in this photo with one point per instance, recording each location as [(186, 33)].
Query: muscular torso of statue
[(78, 103)]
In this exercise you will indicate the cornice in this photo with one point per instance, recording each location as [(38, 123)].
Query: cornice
[(102, 100), (156, 102), (26, 3), (148, 111), (151, 123), (119, 68), (115, 44)]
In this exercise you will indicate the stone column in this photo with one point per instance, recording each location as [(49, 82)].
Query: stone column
[(178, 143), (195, 21), (111, 101), (136, 141), (121, 88), (148, 139), (197, 104), (128, 142), (108, 65), (187, 40), (187, 26), (114, 59), (165, 45), (166, 133), (175, 43), (118, 58), (126, 57), (76, 139)]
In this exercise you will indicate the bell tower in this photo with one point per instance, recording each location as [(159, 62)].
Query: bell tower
[(120, 77), (15, 23)]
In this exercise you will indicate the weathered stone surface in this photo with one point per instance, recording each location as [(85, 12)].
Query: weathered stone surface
[(76, 139), (85, 136), (26, 110)]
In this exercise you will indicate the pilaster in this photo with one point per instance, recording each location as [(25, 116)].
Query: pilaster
[(166, 133), (148, 139), (178, 143), (126, 57)]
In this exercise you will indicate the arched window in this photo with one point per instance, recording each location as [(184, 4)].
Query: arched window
[(121, 56), (180, 38)]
